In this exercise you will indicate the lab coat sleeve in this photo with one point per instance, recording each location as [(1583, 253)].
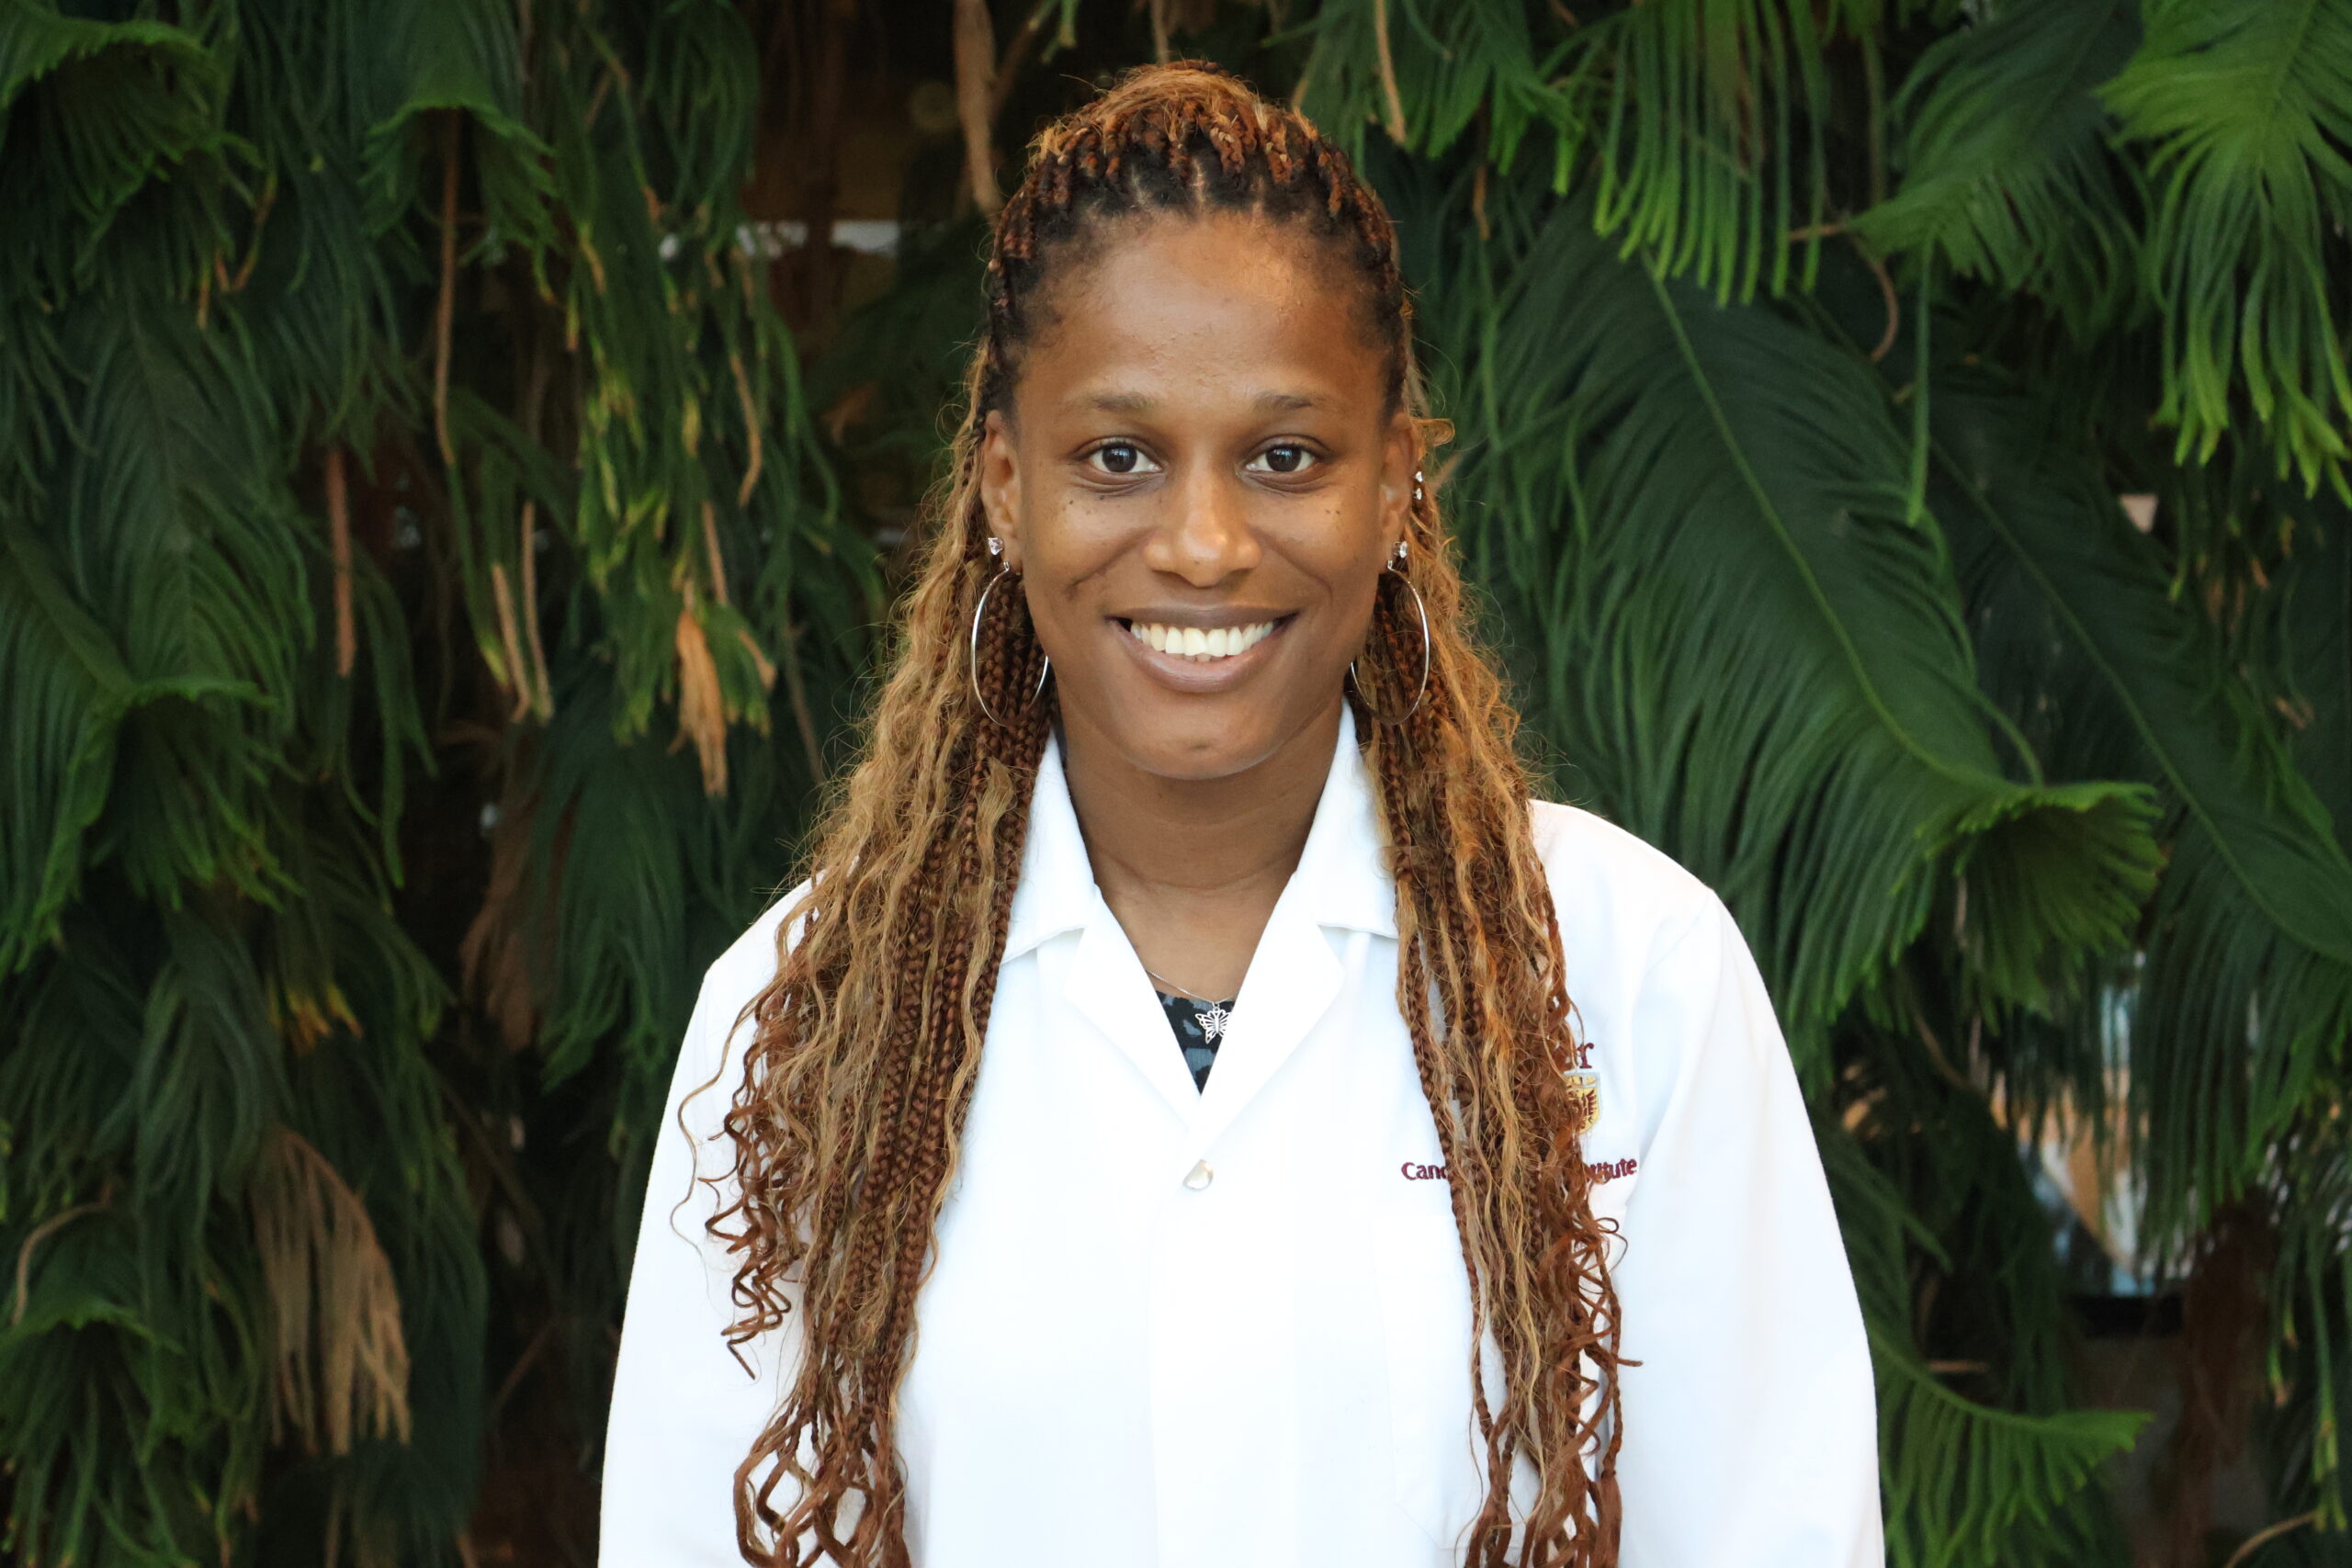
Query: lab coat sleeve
[(1750, 1426), (684, 1411)]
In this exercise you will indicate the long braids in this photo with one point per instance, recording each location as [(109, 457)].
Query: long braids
[(867, 1040)]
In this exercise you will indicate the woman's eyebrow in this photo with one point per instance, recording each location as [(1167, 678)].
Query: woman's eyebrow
[(1115, 402), (1268, 402)]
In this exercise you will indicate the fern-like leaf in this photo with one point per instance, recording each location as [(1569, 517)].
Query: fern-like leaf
[(2245, 107), (2006, 172), (2243, 1006), (1750, 645)]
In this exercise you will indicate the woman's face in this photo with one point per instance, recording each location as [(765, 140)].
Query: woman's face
[(1199, 490)]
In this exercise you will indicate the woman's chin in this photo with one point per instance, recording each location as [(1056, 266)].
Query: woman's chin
[(1199, 737)]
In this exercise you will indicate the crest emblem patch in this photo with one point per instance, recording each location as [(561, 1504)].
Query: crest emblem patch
[(1583, 1095), (1574, 1058)]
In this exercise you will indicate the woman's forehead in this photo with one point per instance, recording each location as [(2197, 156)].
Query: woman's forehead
[(1225, 305)]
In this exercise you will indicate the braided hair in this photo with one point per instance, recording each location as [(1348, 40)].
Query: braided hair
[(866, 1044)]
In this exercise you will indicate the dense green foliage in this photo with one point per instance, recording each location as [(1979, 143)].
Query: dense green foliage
[(407, 480), (392, 429)]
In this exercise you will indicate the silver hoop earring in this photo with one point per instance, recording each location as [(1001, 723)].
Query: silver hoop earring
[(972, 653), (1420, 691)]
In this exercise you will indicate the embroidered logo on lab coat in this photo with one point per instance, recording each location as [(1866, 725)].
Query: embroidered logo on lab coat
[(1600, 1171), (1583, 1095), (1574, 1058)]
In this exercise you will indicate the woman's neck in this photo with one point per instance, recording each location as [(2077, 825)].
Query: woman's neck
[(1193, 867)]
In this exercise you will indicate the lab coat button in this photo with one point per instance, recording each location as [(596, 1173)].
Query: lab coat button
[(1200, 1175)]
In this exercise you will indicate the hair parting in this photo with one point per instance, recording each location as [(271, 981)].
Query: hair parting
[(846, 1124)]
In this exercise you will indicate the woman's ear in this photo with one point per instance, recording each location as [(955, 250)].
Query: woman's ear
[(1000, 485), (1400, 452)]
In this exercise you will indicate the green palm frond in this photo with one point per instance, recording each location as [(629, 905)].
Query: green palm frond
[(68, 689), (2310, 1355), (625, 904), (91, 1374), (112, 105), (1979, 1479), (2245, 1003), (1703, 120), (1710, 132), (2244, 108), (2006, 172), (1744, 641), (1953, 1163), (414, 57), (367, 1098), (1427, 72), (1965, 1485), (63, 1112), (170, 528), (2316, 583), (669, 864), (210, 1078), (145, 1083), (365, 726), (37, 40), (702, 96)]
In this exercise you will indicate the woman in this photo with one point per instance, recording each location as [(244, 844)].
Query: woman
[(1469, 1213)]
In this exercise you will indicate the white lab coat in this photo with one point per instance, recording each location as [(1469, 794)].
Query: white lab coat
[(1117, 1369)]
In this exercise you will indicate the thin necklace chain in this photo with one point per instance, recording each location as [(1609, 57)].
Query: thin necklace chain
[(1179, 990)]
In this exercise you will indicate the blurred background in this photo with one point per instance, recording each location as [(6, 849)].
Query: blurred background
[(456, 458)]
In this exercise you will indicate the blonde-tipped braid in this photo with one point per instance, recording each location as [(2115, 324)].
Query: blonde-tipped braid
[(848, 1120)]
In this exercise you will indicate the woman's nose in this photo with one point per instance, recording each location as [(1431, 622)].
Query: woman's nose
[(1206, 536)]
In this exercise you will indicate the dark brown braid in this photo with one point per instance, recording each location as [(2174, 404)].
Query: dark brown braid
[(860, 1071)]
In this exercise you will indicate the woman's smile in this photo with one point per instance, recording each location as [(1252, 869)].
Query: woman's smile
[(1201, 650)]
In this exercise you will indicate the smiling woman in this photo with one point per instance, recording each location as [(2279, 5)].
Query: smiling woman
[(1476, 1219), (1199, 481)]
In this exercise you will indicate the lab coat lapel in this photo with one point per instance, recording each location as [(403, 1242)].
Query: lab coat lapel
[(1101, 980), (1106, 983), (1293, 980), (1056, 891), (1297, 973), (1294, 977)]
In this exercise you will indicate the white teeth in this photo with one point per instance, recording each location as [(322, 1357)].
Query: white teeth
[(1192, 643)]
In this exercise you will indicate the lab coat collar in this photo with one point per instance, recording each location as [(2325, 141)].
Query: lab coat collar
[(1342, 877)]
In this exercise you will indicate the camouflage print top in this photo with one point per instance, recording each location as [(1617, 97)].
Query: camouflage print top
[(1200, 1027)]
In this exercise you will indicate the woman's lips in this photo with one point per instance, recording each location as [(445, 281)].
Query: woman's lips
[(1208, 670), (1197, 643)]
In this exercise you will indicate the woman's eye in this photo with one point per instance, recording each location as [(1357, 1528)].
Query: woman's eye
[(1288, 459), (1121, 457)]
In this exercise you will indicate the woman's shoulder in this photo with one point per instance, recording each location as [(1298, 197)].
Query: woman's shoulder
[(1669, 1004), (1614, 891), (749, 963), (718, 1035)]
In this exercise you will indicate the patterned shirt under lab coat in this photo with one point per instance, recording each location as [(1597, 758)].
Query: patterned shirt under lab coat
[(1227, 1327)]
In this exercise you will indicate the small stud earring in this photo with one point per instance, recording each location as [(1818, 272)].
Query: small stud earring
[(996, 546), (1398, 556), (1417, 485)]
